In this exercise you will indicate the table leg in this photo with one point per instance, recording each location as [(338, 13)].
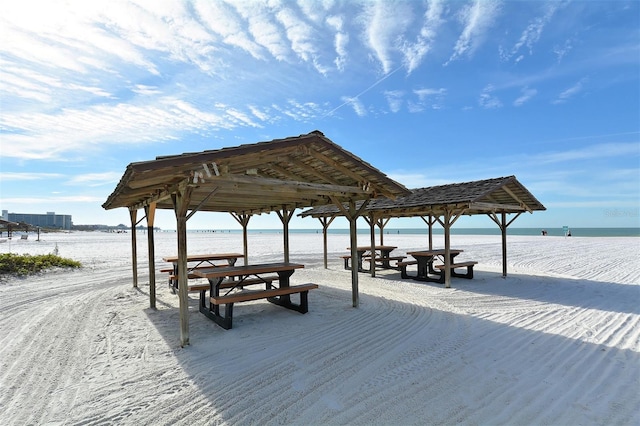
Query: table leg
[(385, 263), (423, 267), (174, 281), (214, 290), (360, 260)]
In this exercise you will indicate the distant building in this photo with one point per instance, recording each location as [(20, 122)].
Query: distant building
[(49, 220)]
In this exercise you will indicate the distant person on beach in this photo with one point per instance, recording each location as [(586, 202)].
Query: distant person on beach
[(569, 233)]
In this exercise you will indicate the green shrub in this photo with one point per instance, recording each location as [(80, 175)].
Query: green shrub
[(26, 264)]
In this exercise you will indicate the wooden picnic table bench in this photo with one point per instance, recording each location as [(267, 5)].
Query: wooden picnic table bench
[(403, 267), (385, 261), (364, 252), (222, 278), (469, 265), (425, 261), (202, 261)]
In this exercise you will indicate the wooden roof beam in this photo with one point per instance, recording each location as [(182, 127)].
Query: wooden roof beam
[(314, 172), (277, 185), (493, 207), (517, 199), (333, 163)]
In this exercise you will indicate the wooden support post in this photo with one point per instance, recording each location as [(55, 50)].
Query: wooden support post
[(181, 201), (503, 225), (447, 248), (353, 243), (372, 232), (352, 214), (325, 227), (285, 217), (243, 220), (503, 231), (430, 221), (447, 222), (183, 283), (134, 247), (150, 213), (382, 222)]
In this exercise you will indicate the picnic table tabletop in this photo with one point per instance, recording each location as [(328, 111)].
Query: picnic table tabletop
[(365, 248), (230, 271), (205, 257), (436, 252)]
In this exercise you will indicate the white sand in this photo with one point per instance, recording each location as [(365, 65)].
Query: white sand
[(557, 342)]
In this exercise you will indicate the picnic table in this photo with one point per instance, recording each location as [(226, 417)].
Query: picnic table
[(382, 255), (198, 261), (425, 261), (225, 281)]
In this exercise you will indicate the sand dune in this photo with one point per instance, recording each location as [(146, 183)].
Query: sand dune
[(556, 342)]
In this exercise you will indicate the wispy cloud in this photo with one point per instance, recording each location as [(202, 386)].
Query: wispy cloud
[(488, 100), (341, 40), (477, 19), (426, 93), (301, 35), (262, 28), (527, 94), (532, 33), (17, 176), (414, 51), (384, 25), (605, 150), (355, 103), (95, 179), (40, 201), (224, 21), (394, 99), (570, 92)]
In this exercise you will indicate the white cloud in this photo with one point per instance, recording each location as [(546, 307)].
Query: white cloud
[(31, 201), (414, 52), (357, 106), (532, 33), (384, 24), (570, 92), (262, 28), (261, 115), (240, 118), (488, 100), (224, 21), (394, 98), (477, 19), (599, 151), (341, 41), (52, 136), (301, 111), (17, 176), (426, 93), (144, 90), (95, 179), (527, 94)]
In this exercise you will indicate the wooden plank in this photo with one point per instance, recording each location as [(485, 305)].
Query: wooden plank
[(249, 295)]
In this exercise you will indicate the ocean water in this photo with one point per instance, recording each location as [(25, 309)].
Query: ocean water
[(558, 232)]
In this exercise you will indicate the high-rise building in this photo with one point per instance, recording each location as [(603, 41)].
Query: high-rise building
[(49, 220)]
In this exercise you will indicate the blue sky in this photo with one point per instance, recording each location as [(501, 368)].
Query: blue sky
[(429, 92)]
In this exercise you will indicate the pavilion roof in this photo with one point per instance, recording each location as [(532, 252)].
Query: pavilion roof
[(503, 194), (295, 172)]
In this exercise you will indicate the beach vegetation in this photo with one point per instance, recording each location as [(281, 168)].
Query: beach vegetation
[(26, 264)]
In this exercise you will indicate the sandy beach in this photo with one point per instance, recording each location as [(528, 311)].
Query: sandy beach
[(557, 342)]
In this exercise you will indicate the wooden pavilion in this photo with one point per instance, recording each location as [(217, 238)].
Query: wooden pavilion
[(281, 175), (445, 204)]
